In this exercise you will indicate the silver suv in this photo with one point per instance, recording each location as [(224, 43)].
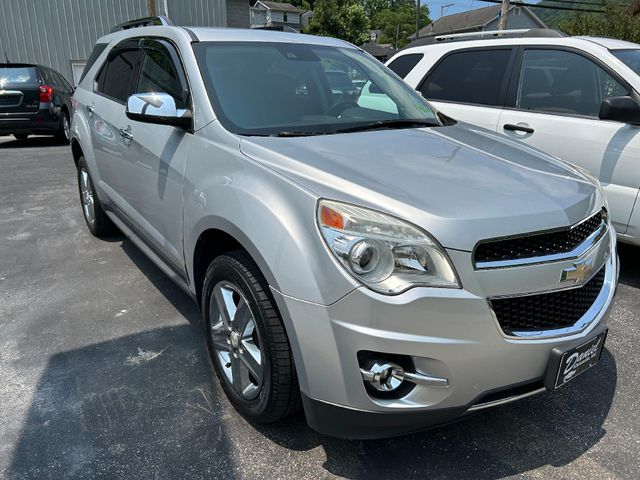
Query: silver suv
[(385, 268)]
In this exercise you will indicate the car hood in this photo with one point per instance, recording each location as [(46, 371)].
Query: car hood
[(460, 183)]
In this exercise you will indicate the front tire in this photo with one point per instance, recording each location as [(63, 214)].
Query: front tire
[(99, 224), (247, 341)]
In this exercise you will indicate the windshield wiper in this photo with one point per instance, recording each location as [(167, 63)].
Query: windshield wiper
[(397, 123), (294, 133)]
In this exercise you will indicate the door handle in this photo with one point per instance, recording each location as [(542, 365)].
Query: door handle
[(90, 109), (126, 134), (518, 128)]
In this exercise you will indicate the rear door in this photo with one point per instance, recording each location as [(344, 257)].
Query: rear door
[(113, 85), (470, 85), (19, 95), (554, 104)]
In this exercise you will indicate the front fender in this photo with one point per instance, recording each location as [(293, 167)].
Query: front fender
[(272, 217)]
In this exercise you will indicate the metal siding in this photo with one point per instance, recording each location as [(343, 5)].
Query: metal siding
[(197, 13), (54, 32)]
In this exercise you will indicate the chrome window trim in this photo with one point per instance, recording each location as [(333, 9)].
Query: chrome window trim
[(590, 318), (577, 252)]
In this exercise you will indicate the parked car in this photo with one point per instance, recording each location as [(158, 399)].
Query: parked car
[(34, 99), (387, 271), (574, 97)]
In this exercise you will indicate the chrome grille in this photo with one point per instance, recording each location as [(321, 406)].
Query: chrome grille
[(538, 244)]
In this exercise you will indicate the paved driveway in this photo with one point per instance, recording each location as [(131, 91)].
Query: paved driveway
[(104, 373)]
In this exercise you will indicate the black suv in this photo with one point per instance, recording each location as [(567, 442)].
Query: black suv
[(34, 100)]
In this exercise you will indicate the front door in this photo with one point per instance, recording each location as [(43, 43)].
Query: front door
[(156, 156), (556, 102)]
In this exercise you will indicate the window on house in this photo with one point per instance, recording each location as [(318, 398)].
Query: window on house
[(516, 11), (284, 17)]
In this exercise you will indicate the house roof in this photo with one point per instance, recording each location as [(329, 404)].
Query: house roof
[(378, 51), (278, 6), (469, 20)]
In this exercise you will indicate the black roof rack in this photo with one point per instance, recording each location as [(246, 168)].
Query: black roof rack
[(143, 22), (487, 35), (277, 28)]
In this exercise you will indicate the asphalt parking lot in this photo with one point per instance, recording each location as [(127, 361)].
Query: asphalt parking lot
[(104, 373)]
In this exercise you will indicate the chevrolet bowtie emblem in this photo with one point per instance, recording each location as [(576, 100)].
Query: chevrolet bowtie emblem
[(579, 272)]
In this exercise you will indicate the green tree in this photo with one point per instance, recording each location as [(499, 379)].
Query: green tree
[(399, 21), (345, 19), (372, 7), (616, 22)]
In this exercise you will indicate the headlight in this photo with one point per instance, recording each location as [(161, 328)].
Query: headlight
[(382, 252)]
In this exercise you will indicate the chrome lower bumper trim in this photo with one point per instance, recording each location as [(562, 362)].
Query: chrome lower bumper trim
[(502, 401)]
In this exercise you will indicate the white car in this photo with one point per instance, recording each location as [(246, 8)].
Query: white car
[(574, 97)]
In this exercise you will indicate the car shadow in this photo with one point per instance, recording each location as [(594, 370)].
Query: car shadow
[(629, 264), (550, 429), (31, 142)]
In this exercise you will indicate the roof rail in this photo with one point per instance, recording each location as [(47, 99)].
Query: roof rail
[(488, 35), (142, 22), (277, 28)]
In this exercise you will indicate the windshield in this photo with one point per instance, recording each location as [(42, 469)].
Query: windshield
[(631, 58), (17, 76), (282, 88)]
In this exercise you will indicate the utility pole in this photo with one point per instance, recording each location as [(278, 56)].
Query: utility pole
[(417, 19), (152, 8), (504, 14)]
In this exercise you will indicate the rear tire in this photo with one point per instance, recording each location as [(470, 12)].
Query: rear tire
[(64, 128), (21, 137), (249, 350), (99, 224)]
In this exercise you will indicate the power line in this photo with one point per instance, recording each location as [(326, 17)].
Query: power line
[(549, 7)]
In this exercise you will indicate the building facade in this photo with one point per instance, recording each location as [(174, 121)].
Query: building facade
[(482, 19), (61, 33), (275, 14)]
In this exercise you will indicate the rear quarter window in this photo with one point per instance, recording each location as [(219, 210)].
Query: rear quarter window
[(474, 77), (401, 66), (95, 53)]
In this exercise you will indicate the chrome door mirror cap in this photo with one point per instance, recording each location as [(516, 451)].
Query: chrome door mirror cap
[(159, 108)]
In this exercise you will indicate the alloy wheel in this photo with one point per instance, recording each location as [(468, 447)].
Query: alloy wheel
[(86, 194), (236, 340)]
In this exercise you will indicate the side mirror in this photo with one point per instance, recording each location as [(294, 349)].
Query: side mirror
[(159, 108), (620, 109)]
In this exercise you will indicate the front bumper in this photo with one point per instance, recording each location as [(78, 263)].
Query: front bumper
[(450, 334)]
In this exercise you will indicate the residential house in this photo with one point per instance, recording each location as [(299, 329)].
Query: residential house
[(481, 19), (275, 14)]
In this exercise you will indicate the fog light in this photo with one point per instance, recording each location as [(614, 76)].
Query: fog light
[(384, 377)]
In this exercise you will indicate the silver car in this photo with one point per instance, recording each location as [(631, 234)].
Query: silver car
[(386, 269)]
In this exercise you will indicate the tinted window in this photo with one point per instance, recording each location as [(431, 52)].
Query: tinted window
[(117, 75), (159, 74), (275, 88), (95, 53), (47, 76), (17, 75), (631, 58), (404, 64), (468, 77), (564, 82)]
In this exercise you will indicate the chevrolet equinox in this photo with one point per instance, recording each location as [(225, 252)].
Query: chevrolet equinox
[(375, 263)]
